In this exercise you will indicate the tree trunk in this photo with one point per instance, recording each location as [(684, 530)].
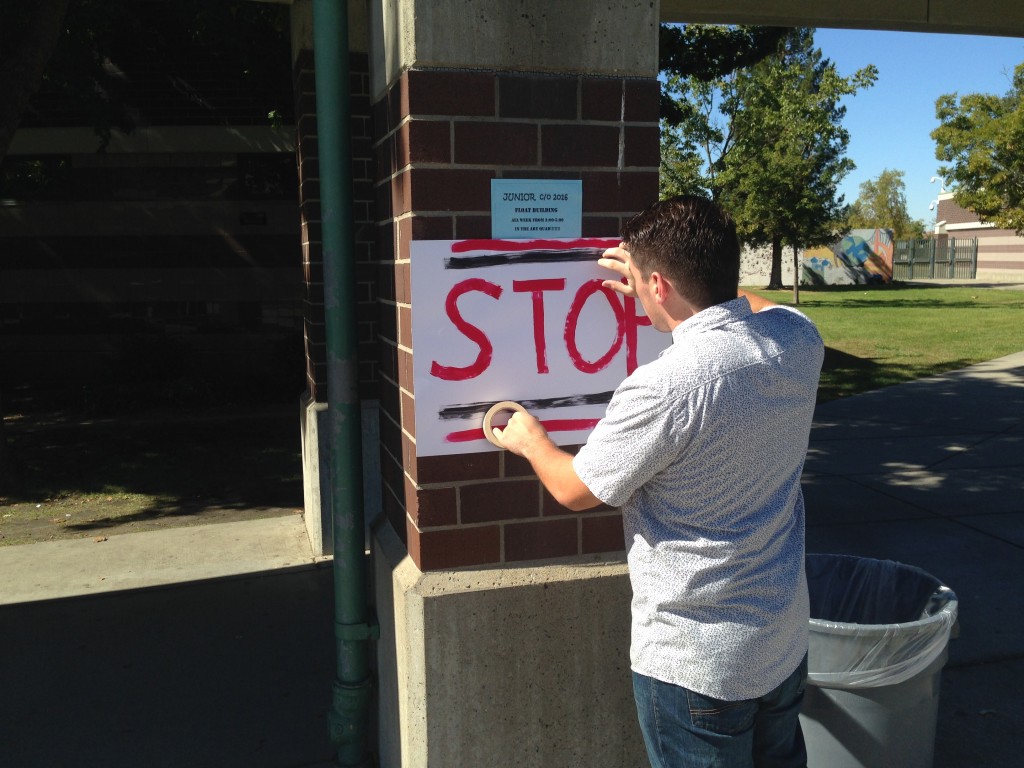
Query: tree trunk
[(22, 66), (775, 281), (796, 275)]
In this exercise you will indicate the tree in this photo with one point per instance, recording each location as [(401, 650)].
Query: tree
[(882, 204), (981, 136), (781, 146), (692, 59)]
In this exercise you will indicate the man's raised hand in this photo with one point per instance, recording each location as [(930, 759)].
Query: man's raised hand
[(617, 260)]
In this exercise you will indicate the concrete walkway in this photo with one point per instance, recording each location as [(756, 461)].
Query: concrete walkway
[(213, 646), (931, 473)]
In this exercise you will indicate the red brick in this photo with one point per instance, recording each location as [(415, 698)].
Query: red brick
[(436, 92), (428, 227), (393, 476), (316, 334), (610, 191), (580, 145), (402, 283), (496, 143), (395, 514), (450, 469), (472, 227), (542, 539), (385, 158), (601, 226), (409, 457), (379, 116), (398, 102), (388, 358), (507, 500), (405, 369), (643, 146), (601, 99), (441, 189), (435, 550), (430, 507), (304, 62), (603, 533), (408, 414), (388, 321), (551, 508), (537, 96), (311, 230), (387, 288), (401, 193), (390, 401), (405, 327), (540, 173), (642, 100), (309, 188), (424, 141), (309, 151), (516, 466), (382, 201)]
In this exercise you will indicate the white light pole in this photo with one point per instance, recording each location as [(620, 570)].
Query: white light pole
[(934, 205)]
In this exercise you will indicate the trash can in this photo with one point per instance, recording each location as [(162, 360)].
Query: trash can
[(879, 635)]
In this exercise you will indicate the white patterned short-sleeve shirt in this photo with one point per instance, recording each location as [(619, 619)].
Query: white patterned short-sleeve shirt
[(703, 449)]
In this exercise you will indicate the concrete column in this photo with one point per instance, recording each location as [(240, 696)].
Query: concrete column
[(504, 617)]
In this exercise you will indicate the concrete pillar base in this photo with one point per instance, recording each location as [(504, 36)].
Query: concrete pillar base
[(316, 482), (525, 666)]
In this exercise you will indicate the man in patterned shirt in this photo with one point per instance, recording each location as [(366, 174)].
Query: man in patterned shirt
[(703, 450)]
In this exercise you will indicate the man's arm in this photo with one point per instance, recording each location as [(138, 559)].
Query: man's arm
[(757, 303), (526, 437)]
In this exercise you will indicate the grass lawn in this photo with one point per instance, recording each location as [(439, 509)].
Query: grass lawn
[(882, 335), (81, 477)]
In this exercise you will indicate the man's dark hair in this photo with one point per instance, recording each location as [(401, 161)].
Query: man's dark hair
[(691, 241)]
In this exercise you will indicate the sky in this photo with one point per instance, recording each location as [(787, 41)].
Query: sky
[(890, 122)]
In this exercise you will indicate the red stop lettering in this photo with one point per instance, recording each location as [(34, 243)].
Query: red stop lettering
[(537, 288), (470, 331), (633, 321), (585, 291)]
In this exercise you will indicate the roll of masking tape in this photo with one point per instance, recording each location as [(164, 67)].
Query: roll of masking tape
[(504, 405)]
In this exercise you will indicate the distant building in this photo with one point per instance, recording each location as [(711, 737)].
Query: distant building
[(1000, 251)]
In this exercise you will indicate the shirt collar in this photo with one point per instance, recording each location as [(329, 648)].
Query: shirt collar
[(713, 317)]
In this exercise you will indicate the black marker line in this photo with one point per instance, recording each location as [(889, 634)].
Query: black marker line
[(541, 256), (465, 410)]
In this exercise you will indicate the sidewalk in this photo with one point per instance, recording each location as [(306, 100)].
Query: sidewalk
[(196, 647), (931, 473), (213, 646)]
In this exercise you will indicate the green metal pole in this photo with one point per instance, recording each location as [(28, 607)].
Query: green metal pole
[(352, 685)]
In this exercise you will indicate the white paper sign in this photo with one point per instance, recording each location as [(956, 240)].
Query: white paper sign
[(522, 320), (527, 208)]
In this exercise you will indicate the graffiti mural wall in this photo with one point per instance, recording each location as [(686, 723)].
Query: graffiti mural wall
[(863, 256)]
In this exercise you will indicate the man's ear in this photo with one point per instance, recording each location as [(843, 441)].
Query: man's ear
[(661, 287)]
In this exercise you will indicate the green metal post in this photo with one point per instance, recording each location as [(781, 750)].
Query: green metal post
[(352, 685)]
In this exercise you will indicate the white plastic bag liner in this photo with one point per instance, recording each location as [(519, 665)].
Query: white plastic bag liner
[(874, 622)]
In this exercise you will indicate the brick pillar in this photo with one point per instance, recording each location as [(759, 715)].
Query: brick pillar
[(442, 135)]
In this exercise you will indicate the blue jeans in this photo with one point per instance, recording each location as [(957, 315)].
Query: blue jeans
[(683, 729)]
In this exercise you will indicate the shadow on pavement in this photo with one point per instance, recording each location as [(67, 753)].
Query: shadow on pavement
[(232, 672)]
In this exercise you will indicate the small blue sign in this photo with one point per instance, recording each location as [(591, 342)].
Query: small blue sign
[(529, 208)]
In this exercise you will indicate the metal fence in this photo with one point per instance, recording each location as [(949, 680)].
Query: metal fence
[(943, 257)]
